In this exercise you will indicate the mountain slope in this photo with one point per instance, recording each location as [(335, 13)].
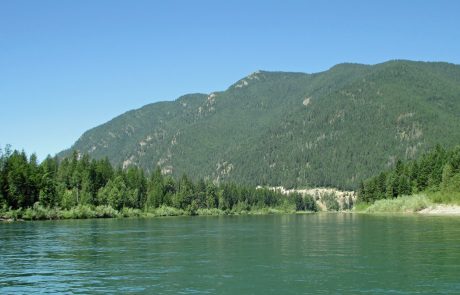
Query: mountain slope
[(331, 128)]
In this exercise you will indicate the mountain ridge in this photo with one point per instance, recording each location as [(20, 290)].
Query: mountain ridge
[(291, 128)]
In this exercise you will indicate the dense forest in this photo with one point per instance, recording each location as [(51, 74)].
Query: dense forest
[(435, 171), (81, 187), (96, 186)]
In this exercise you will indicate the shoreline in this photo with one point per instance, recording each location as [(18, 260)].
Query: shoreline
[(441, 209), (104, 212), (432, 210), (421, 204)]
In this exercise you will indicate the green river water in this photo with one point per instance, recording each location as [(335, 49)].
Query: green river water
[(274, 254)]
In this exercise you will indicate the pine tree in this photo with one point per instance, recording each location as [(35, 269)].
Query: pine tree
[(156, 189)]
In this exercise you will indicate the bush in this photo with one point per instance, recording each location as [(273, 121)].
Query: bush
[(38, 212), (209, 212), (12, 214), (361, 207), (330, 200), (310, 203), (130, 212), (79, 212), (106, 211), (167, 211)]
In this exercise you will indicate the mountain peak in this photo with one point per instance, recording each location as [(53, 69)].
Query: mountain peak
[(253, 77)]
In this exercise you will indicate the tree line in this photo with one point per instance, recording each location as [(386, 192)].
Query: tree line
[(79, 180), (437, 171)]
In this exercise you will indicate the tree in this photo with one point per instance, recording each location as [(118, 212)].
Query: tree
[(114, 193), (3, 177), (299, 202), (169, 190), (310, 203), (211, 196), (20, 182), (447, 174), (404, 187), (48, 195), (156, 189), (200, 194), (184, 193), (392, 186), (137, 187)]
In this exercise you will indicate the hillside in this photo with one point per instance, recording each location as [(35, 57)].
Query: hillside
[(332, 128)]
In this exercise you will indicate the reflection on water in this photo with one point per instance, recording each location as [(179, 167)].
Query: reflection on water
[(284, 254)]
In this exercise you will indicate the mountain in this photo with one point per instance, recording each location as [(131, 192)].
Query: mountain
[(332, 128)]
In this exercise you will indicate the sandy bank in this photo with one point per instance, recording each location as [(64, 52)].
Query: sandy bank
[(441, 210)]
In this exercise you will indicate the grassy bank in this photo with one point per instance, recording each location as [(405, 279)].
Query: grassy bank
[(403, 204), (410, 204), (38, 212)]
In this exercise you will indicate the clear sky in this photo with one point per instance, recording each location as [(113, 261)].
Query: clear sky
[(67, 66)]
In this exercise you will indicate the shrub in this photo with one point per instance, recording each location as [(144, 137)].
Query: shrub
[(330, 200), (167, 211), (79, 212), (361, 206), (38, 212), (310, 203), (105, 211), (130, 212), (209, 212)]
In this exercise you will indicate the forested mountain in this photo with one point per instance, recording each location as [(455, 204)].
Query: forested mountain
[(333, 128)]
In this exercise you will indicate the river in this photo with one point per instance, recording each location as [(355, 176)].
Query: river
[(273, 254)]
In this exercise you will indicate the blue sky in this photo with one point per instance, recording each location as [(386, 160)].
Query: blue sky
[(67, 66)]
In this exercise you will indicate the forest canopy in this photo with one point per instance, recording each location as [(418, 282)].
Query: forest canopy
[(79, 180), (435, 171)]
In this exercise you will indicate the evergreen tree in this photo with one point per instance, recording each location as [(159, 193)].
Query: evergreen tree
[(211, 196), (156, 189), (114, 193), (48, 195)]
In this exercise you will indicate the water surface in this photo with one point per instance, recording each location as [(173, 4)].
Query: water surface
[(282, 254)]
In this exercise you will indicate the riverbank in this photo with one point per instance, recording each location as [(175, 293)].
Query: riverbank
[(441, 209), (431, 203), (38, 212)]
